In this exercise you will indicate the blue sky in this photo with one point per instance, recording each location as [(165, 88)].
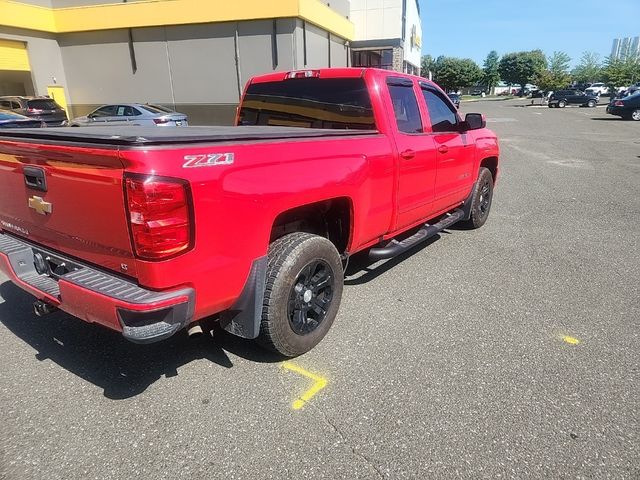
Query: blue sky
[(471, 29)]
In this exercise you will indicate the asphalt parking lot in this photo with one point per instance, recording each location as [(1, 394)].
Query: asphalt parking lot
[(509, 351)]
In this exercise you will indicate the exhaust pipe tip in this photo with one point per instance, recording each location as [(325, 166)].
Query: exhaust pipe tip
[(41, 308), (195, 330)]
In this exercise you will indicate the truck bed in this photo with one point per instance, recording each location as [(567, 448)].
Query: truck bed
[(145, 136)]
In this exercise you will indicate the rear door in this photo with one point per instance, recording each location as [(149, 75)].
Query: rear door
[(455, 150), (417, 154), (576, 97), (67, 198), (120, 117)]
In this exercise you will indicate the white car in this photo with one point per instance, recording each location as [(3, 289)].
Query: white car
[(597, 89)]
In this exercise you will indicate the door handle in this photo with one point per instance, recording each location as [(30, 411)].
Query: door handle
[(443, 149), (408, 154)]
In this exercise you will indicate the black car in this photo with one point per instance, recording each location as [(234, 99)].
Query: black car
[(10, 119), (562, 98), (38, 108), (455, 99), (627, 107)]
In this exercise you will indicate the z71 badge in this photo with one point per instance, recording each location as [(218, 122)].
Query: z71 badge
[(208, 160)]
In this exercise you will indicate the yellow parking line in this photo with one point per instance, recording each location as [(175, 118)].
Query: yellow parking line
[(570, 340), (320, 383)]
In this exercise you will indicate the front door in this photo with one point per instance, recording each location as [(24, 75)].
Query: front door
[(455, 151)]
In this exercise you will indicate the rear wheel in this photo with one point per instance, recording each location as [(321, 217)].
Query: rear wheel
[(562, 104), (302, 296), (635, 115), (481, 199)]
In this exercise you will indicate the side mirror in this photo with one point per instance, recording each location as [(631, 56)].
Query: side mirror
[(91, 115), (474, 121)]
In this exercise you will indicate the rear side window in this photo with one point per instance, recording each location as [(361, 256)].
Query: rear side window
[(405, 108), (42, 104), (443, 118), (341, 103)]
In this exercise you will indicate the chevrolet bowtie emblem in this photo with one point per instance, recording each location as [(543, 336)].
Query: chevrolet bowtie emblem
[(39, 205)]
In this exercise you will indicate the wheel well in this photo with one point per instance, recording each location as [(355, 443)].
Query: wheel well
[(328, 218), (492, 164)]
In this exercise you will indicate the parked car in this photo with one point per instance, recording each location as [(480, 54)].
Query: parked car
[(133, 114), (627, 107), (150, 230), (455, 99), (597, 89), (39, 108), (9, 119), (479, 92), (562, 98)]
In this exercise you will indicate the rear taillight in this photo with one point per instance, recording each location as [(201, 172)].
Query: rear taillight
[(619, 103), (160, 216), (160, 121)]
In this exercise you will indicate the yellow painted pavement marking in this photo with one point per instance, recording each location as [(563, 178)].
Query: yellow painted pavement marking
[(570, 340), (320, 383)]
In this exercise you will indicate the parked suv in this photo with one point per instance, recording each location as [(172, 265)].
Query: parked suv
[(562, 98), (38, 108)]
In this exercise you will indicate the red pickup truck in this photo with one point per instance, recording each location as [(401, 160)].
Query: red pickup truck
[(150, 230)]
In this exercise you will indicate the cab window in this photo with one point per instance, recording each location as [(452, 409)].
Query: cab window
[(442, 115), (405, 106)]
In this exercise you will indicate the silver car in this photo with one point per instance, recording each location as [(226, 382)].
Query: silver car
[(137, 114)]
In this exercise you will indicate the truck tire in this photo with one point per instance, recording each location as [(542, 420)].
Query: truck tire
[(481, 199), (302, 293)]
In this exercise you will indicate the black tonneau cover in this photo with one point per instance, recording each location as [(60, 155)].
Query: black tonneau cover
[(142, 136)]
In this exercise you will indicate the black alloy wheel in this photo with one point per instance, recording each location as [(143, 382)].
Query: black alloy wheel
[(311, 297)]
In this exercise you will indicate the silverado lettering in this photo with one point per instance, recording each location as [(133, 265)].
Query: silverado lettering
[(334, 162)]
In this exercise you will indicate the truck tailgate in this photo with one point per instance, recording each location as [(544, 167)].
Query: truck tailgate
[(68, 198)]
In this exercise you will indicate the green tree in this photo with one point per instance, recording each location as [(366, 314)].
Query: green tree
[(621, 72), (557, 75), (589, 70), (521, 67), (452, 73), (426, 65), (491, 76)]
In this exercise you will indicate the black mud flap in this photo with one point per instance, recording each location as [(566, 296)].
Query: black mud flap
[(244, 317)]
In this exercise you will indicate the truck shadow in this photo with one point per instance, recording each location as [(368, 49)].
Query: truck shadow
[(104, 358)]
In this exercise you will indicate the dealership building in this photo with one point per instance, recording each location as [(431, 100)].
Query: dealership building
[(191, 55)]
